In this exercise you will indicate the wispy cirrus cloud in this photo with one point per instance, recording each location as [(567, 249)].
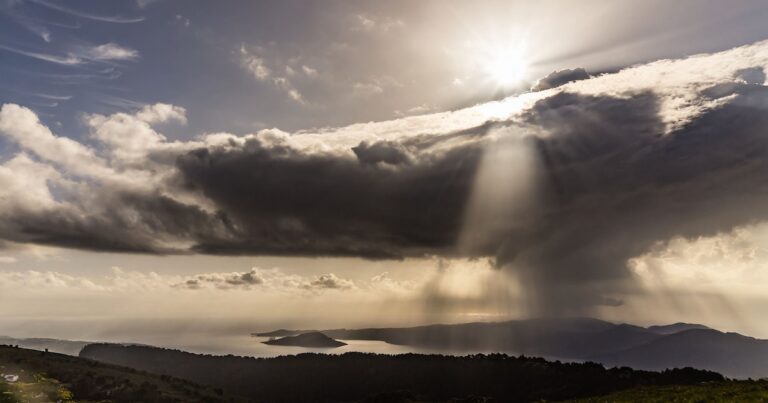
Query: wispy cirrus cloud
[(370, 23), (69, 59), (36, 28), (54, 97), (145, 3), (375, 86), (84, 54), (281, 75), (87, 15)]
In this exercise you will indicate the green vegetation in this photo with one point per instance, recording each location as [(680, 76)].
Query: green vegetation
[(34, 388), (51, 377), (6, 394), (728, 391)]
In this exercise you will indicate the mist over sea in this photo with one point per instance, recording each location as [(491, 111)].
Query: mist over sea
[(216, 337), (202, 337)]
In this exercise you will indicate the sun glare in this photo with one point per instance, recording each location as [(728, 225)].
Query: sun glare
[(506, 66)]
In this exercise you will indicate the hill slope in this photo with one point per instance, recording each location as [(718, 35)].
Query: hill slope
[(355, 376), (61, 377), (728, 391)]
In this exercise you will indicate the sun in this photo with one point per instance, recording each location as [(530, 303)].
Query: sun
[(506, 66)]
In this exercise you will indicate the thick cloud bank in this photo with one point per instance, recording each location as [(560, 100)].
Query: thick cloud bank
[(560, 77), (562, 186)]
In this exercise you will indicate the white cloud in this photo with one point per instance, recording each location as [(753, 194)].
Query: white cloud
[(24, 186), (159, 113), (309, 71), (266, 280), (256, 280), (365, 22), (223, 280), (109, 51), (732, 261), (331, 281), (370, 88), (55, 97), (368, 23), (416, 110), (101, 53), (375, 85), (104, 298), (22, 126), (183, 20), (69, 59), (129, 138), (35, 28), (253, 62)]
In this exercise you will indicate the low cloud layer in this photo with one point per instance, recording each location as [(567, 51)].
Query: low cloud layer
[(266, 280), (256, 280), (618, 163)]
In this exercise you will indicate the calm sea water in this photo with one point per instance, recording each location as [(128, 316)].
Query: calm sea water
[(196, 339), (252, 346)]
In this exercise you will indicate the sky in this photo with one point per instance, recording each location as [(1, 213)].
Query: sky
[(243, 165)]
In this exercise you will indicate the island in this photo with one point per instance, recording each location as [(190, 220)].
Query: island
[(312, 339), (281, 333)]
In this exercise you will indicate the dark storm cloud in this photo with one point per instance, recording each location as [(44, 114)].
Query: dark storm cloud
[(620, 166), (616, 186), (282, 201), (560, 77), (128, 223), (613, 185), (388, 152)]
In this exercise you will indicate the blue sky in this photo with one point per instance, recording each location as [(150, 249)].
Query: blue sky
[(349, 62)]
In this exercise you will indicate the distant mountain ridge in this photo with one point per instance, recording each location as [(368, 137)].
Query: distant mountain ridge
[(61, 346), (676, 328), (731, 354), (652, 348), (68, 347)]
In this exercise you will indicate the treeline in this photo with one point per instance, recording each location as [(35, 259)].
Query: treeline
[(360, 376)]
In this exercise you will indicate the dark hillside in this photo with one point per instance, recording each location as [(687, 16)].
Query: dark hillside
[(66, 378), (355, 376)]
